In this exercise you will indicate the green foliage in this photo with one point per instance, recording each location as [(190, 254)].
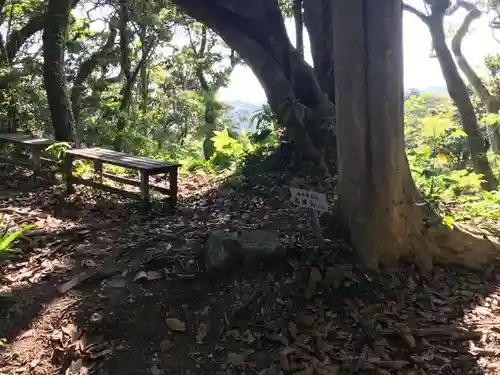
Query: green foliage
[(7, 238), (58, 150), (439, 160)]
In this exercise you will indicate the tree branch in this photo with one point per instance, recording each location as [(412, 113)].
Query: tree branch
[(416, 12), (199, 54), (87, 67), (456, 46), (18, 37)]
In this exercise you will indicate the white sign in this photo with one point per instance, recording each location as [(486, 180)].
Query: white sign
[(309, 199)]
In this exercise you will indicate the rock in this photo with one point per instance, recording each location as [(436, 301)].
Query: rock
[(176, 325), (245, 249), (261, 246), (220, 251)]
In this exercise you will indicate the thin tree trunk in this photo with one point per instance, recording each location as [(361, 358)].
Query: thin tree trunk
[(458, 93), (299, 27), (492, 102), (86, 69), (144, 72), (54, 37), (318, 16)]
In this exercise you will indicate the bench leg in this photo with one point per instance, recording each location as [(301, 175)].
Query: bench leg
[(98, 170), (68, 173), (37, 166), (145, 190), (173, 187)]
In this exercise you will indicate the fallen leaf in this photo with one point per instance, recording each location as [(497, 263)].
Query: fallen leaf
[(202, 333), (104, 352), (292, 330), (315, 276), (155, 370), (235, 334), (74, 367), (309, 370), (72, 331), (88, 263), (57, 335), (93, 341), (406, 336), (176, 325), (274, 370), (284, 362), (306, 320), (329, 370), (277, 337), (393, 365), (154, 275), (411, 284), (96, 318), (116, 283), (248, 337), (235, 359), (166, 345)]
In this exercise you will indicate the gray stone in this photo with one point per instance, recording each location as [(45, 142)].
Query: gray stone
[(245, 249)]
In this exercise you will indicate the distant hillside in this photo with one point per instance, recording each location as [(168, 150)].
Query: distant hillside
[(429, 89), (240, 112)]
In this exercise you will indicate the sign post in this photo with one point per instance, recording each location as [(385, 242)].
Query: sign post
[(314, 202)]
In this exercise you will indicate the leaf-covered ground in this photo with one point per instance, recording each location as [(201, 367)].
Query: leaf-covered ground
[(141, 306)]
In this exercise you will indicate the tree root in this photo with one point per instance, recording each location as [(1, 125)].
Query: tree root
[(466, 246)]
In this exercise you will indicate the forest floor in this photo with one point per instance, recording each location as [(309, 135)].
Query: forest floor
[(146, 310)]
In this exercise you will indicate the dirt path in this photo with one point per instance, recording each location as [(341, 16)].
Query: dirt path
[(147, 309)]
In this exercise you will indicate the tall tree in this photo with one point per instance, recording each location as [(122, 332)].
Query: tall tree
[(87, 67), (257, 32), (490, 100), (379, 202), (54, 37), (456, 87)]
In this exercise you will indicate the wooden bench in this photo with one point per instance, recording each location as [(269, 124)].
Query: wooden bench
[(26, 142), (146, 166)]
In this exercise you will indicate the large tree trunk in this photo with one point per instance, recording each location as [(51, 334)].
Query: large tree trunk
[(257, 32), (379, 203), (54, 36), (377, 196)]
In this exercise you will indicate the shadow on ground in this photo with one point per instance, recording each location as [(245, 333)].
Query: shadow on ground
[(148, 309)]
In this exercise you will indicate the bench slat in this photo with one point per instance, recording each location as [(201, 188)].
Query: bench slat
[(106, 188), (132, 182), (122, 159), (26, 139)]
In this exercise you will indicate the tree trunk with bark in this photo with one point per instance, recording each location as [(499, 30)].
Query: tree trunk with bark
[(378, 200), (491, 101), (299, 26), (257, 32), (86, 69), (54, 37), (129, 74)]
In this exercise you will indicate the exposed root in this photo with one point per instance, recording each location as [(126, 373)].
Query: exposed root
[(467, 246)]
